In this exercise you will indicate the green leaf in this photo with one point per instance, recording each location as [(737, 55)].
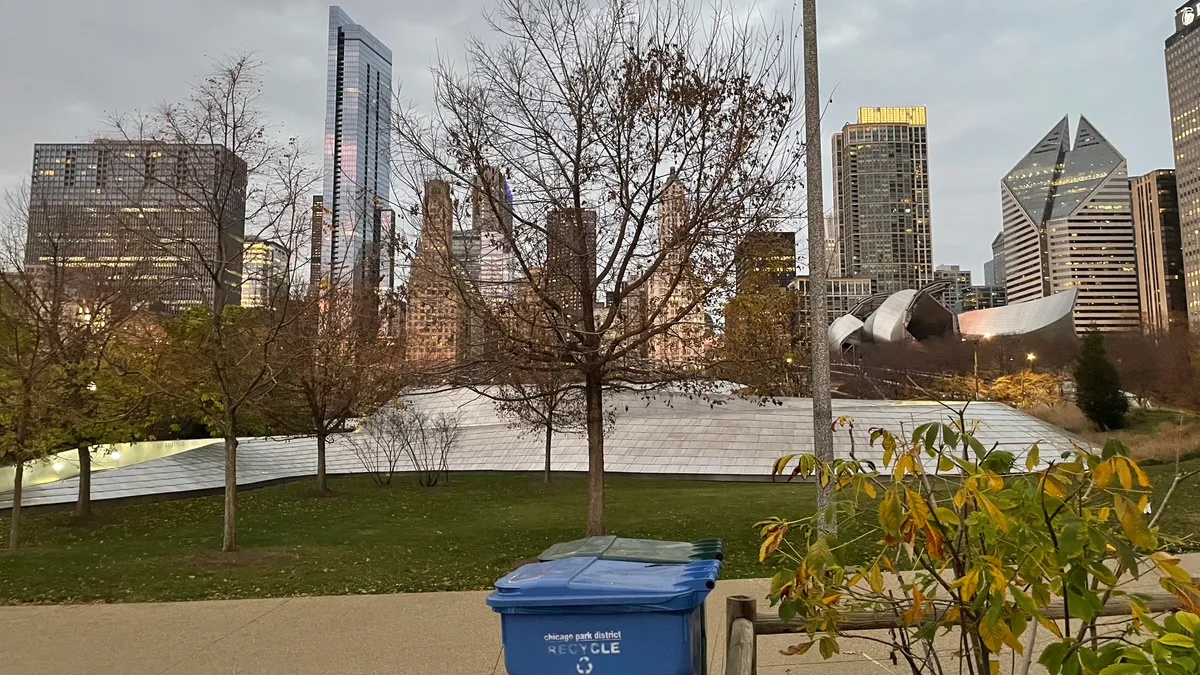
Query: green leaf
[(787, 611), (1033, 458), (1189, 621), (950, 437), (931, 435), (1177, 640), (1054, 655), (829, 647), (1122, 669), (945, 464), (891, 513)]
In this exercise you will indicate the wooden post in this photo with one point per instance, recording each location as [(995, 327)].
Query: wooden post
[(741, 643)]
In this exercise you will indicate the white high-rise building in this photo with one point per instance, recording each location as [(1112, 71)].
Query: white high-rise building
[(1068, 224)]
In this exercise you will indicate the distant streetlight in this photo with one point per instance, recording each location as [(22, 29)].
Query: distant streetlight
[(1031, 357)]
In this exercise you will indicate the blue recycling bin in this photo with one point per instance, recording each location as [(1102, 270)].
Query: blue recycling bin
[(586, 616)]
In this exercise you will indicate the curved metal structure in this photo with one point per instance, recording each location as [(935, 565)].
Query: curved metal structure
[(1051, 316), (910, 314)]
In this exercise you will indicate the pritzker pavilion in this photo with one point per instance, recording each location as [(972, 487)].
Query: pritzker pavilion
[(716, 437)]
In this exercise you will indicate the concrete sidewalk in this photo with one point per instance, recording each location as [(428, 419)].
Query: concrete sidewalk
[(416, 634)]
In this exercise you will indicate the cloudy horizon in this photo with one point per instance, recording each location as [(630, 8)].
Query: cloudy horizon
[(995, 77)]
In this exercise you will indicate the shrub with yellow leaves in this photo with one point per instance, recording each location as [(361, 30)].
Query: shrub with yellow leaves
[(975, 544)]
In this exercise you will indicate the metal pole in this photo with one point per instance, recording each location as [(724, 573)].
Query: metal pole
[(817, 290)]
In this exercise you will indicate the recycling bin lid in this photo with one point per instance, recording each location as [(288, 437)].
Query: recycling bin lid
[(637, 550), (584, 582)]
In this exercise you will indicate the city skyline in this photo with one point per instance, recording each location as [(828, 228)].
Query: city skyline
[(982, 92)]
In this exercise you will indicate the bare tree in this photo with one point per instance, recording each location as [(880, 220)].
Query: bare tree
[(544, 405), (402, 430), (211, 174), (337, 365), (562, 137)]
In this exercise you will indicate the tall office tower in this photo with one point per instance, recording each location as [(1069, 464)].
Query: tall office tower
[(881, 198), (320, 222), (994, 270), (766, 258), (1159, 252), (983, 297), (431, 328), (843, 295), (958, 285), (130, 205), (1068, 224), (264, 273), (1183, 89), (673, 287), (570, 260), (492, 219), (357, 120)]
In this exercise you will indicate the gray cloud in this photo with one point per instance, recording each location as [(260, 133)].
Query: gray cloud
[(995, 75)]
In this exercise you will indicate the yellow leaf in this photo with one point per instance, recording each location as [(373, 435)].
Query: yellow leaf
[(1123, 473), (992, 512), (969, 584), (945, 464), (993, 668), (889, 448), (991, 634), (875, 578), (781, 464), (1103, 474), (1051, 626), (772, 540), (1033, 458), (1134, 523), (995, 482), (831, 598), (1142, 479), (1053, 487), (869, 488), (1169, 565), (1105, 513)]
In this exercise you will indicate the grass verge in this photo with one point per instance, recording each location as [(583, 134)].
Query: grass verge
[(368, 539)]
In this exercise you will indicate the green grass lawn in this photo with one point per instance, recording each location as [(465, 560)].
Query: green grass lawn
[(366, 539), (402, 538)]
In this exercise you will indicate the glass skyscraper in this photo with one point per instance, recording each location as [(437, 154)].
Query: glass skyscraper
[(357, 119), (881, 198), (1068, 225), (1183, 89)]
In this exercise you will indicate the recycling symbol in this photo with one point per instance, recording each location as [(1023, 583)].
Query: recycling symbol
[(584, 667)]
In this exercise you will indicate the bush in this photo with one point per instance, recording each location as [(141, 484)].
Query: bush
[(1098, 386)]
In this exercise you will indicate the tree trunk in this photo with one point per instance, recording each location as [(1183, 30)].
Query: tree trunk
[(817, 302), (14, 527), (229, 534), (594, 395), (549, 444), (322, 484), (83, 507)]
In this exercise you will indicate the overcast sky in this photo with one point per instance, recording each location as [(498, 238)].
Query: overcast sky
[(995, 74)]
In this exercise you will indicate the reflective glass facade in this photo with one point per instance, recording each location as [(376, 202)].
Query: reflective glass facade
[(881, 198), (357, 118), (117, 205), (1068, 224), (1183, 88)]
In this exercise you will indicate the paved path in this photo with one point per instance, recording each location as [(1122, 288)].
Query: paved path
[(415, 634)]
